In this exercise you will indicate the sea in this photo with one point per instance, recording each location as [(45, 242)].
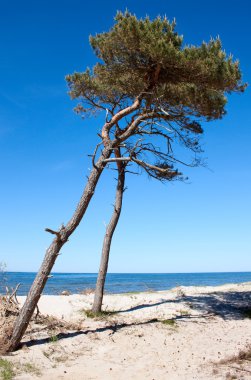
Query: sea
[(120, 282)]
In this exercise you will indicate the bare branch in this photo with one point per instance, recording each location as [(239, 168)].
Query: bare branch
[(165, 112), (192, 165), (129, 171), (106, 116), (94, 154), (117, 159), (164, 173), (13, 294), (38, 312), (53, 232), (93, 103)]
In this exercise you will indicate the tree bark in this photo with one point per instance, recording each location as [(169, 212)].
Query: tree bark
[(99, 291), (52, 252)]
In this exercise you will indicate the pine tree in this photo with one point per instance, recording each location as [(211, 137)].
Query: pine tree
[(151, 87), (177, 87)]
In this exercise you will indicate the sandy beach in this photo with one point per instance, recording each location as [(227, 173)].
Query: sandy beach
[(184, 333)]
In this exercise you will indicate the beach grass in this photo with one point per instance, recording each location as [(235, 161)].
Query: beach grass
[(6, 370), (169, 322), (31, 368), (53, 339), (99, 315)]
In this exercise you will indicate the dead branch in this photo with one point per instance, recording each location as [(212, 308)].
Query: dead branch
[(164, 112), (37, 312), (94, 154), (145, 165), (129, 171), (106, 115), (53, 232), (118, 159), (10, 302), (13, 296)]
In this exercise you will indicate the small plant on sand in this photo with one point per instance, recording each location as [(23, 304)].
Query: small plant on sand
[(99, 315), (53, 339), (169, 322), (6, 370), (31, 368)]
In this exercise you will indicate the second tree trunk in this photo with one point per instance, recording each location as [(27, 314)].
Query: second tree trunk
[(99, 292)]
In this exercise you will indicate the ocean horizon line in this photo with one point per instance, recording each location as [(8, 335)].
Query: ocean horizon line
[(122, 282), (140, 273)]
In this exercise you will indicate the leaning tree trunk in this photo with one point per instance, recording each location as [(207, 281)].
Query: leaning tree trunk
[(65, 232), (52, 252), (99, 291)]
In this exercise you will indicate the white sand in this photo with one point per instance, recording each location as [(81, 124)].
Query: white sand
[(133, 345)]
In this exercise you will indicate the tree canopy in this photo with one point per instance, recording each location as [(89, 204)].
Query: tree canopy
[(173, 87), (147, 58)]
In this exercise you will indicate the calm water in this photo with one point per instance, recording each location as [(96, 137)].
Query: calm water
[(122, 283)]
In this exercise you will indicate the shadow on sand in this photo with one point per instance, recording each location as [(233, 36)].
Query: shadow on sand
[(112, 327), (227, 305)]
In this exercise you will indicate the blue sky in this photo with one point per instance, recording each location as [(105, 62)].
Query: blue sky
[(203, 225)]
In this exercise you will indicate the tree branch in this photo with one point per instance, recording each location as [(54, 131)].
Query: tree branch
[(118, 159), (94, 154), (119, 115)]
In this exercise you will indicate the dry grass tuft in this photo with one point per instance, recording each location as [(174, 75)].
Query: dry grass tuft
[(241, 356)]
